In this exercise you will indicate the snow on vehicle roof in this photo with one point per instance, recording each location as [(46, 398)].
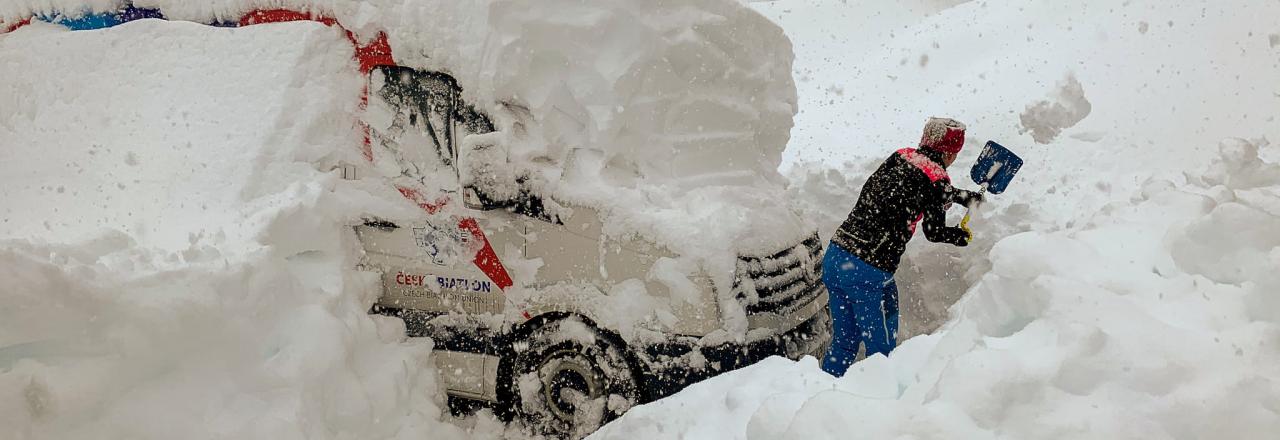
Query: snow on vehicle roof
[(663, 97)]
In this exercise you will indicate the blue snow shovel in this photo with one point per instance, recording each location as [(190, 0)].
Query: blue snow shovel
[(994, 169)]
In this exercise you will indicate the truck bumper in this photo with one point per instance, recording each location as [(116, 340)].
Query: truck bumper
[(665, 367), (672, 366)]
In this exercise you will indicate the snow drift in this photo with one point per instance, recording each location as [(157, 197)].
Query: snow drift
[(172, 248)]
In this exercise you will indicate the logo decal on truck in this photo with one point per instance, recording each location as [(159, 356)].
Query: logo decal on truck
[(445, 283), (486, 258), (464, 284), (405, 279), (444, 246)]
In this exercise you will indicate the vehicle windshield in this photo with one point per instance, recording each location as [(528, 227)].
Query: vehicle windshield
[(411, 117)]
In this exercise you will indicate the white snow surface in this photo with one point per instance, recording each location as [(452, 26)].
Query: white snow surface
[(173, 250), (1158, 320), (669, 96), (1124, 285), (1067, 106)]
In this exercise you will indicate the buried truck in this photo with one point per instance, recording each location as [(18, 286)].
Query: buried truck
[(555, 347), (554, 305)]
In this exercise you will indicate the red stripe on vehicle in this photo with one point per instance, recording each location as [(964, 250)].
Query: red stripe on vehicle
[(15, 26), (486, 258), (272, 16), (431, 206), (376, 53)]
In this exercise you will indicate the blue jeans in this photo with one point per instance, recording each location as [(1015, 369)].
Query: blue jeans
[(864, 309)]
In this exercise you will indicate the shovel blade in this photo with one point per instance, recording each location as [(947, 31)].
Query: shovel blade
[(995, 167)]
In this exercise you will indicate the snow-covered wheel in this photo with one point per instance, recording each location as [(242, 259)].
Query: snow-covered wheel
[(570, 379)]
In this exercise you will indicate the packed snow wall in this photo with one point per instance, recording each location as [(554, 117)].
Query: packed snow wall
[(174, 250)]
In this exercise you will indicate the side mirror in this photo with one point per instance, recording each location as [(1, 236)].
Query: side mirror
[(485, 172), (473, 200), (490, 181)]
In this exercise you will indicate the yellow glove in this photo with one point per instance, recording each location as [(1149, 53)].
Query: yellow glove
[(964, 225)]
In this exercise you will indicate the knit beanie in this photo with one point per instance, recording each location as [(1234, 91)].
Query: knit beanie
[(943, 134)]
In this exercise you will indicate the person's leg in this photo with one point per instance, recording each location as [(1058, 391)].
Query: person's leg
[(891, 312), (878, 317), (872, 324), (845, 337)]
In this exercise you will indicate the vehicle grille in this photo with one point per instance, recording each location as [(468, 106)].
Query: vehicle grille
[(781, 282)]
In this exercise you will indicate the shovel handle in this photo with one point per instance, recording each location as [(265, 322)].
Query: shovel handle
[(964, 223)]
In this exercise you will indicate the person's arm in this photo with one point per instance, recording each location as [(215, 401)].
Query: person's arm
[(935, 217), (957, 195)]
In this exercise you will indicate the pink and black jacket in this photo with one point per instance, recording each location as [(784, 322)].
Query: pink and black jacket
[(910, 187)]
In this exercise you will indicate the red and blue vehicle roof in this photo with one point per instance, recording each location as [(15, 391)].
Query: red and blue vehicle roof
[(374, 53)]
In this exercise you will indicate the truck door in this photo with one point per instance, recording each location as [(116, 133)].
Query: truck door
[(442, 262)]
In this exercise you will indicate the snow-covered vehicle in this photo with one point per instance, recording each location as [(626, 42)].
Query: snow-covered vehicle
[(544, 345), (546, 303)]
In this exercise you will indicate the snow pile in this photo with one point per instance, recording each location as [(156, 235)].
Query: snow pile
[(1046, 118), (176, 255), (1236, 242)]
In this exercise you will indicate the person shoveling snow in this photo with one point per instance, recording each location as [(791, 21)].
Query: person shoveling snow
[(911, 186)]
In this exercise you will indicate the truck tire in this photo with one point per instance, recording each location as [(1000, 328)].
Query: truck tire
[(569, 379)]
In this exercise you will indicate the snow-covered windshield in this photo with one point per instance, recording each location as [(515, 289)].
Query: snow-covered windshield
[(411, 118)]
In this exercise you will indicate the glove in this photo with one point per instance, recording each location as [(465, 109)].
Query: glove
[(964, 225), (972, 199)]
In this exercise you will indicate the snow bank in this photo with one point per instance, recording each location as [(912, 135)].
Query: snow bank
[(175, 253), (138, 141)]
